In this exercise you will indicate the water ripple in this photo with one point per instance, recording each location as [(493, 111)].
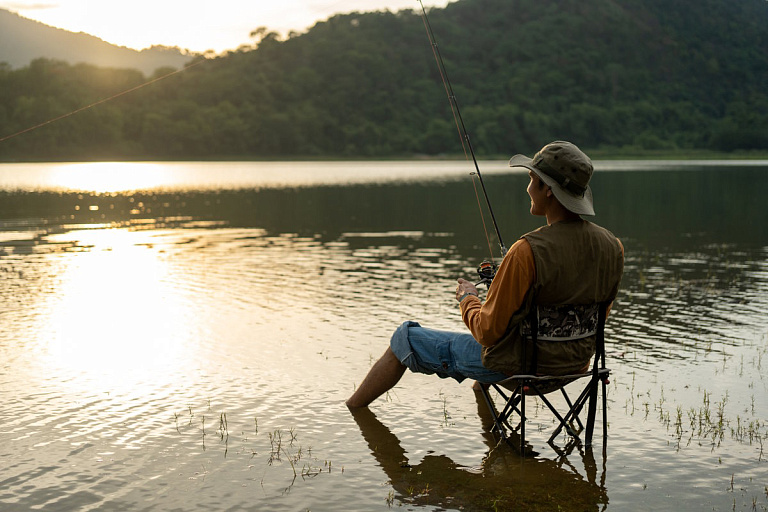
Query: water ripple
[(143, 364)]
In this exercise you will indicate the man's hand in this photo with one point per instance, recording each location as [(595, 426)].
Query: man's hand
[(465, 287)]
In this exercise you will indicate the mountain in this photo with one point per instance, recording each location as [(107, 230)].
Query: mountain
[(615, 75), (23, 40)]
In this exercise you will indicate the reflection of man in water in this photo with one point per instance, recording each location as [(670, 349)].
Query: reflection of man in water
[(567, 262), (505, 481)]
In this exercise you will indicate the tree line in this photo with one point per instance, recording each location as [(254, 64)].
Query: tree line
[(608, 74)]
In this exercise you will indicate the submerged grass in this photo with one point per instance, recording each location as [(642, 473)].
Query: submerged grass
[(717, 409), (281, 446), (707, 425)]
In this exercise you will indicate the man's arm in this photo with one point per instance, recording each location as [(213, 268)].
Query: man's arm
[(488, 321)]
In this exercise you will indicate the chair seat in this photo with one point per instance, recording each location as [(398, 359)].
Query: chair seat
[(545, 383)]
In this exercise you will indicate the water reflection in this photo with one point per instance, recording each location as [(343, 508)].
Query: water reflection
[(503, 480)]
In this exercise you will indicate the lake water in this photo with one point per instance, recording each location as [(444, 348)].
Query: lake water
[(182, 336)]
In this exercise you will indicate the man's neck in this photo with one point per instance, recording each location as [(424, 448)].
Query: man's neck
[(558, 214)]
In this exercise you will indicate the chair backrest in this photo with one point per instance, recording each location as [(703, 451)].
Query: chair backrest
[(564, 323)]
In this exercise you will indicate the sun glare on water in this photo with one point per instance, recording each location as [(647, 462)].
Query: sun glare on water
[(114, 318), (110, 177)]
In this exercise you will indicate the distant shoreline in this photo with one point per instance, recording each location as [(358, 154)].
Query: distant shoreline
[(595, 154)]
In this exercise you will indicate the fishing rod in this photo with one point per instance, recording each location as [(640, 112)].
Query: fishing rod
[(487, 269)]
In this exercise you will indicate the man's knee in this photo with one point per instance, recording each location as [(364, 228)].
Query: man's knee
[(400, 345)]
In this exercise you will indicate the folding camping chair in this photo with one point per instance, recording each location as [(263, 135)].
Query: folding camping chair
[(533, 384)]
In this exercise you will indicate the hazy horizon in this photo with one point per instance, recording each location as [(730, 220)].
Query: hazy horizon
[(197, 26)]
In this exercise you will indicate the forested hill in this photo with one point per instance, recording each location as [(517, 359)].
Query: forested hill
[(22, 40), (651, 74)]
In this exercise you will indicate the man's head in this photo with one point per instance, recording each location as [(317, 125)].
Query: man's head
[(566, 170)]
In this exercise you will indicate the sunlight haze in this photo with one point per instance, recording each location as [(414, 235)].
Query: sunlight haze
[(195, 25)]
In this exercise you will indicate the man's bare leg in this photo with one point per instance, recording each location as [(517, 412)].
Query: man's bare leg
[(382, 377)]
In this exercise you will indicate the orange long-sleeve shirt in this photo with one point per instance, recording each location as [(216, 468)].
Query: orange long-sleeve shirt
[(489, 321)]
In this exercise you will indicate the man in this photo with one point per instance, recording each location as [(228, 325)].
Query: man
[(560, 270)]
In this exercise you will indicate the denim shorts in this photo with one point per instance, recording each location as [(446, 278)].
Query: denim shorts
[(443, 353)]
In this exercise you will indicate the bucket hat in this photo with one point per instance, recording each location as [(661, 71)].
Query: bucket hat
[(567, 170)]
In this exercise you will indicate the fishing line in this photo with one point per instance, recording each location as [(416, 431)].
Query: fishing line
[(463, 134), (77, 111)]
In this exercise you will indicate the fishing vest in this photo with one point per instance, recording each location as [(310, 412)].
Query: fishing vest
[(578, 265)]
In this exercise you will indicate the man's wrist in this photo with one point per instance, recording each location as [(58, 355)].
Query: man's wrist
[(466, 295)]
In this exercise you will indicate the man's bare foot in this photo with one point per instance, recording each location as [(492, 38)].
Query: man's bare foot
[(382, 377), (352, 404)]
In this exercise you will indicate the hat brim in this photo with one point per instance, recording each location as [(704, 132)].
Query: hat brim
[(581, 205)]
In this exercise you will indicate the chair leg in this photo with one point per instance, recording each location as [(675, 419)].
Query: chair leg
[(563, 421), (605, 414), (496, 419), (574, 412), (522, 420), (592, 412), (510, 404), (570, 408)]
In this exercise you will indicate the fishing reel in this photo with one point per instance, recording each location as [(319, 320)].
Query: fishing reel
[(486, 271)]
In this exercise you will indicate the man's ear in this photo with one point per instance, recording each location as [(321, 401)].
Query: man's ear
[(549, 192)]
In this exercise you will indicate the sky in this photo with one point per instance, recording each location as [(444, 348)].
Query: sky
[(196, 25)]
